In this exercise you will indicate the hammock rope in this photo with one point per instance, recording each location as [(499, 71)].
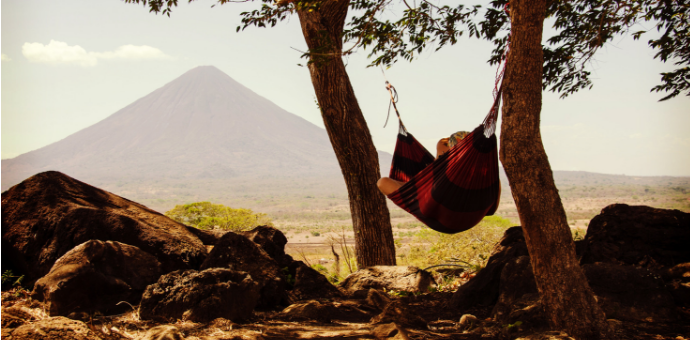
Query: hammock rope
[(456, 191)]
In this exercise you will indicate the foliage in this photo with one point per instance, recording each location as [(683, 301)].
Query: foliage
[(583, 27), (9, 278), (206, 215), (470, 248)]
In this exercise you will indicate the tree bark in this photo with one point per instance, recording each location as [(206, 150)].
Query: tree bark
[(568, 300), (348, 131)]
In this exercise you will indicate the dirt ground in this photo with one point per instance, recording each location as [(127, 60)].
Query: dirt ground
[(442, 323)]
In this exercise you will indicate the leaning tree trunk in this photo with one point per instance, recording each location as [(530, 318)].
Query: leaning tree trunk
[(567, 298), (348, 131)]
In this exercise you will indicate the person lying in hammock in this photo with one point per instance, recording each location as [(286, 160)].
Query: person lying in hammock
[(389, 185)]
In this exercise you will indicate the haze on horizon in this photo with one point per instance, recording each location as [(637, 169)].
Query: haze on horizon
[(69, 65)]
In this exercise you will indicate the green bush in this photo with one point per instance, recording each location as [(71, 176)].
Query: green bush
[(470, 248), (206, 215)]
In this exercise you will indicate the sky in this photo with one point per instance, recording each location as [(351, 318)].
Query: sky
[(71, 63)]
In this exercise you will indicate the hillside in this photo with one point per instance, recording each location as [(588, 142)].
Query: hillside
[(202, 125)]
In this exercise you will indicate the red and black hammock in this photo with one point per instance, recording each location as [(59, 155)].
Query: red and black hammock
[(454, 192)]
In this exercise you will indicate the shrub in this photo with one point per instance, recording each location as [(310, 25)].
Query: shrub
[(470, 248), (206, 215)]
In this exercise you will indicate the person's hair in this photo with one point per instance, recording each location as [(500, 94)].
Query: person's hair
[(456, 137)]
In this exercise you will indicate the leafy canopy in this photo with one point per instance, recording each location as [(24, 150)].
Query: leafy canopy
[(206, 215), (583, 27)]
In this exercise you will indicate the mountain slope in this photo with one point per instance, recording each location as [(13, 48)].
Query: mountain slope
[(203, 124)]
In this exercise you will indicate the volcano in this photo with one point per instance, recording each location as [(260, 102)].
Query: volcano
[(201, 125)]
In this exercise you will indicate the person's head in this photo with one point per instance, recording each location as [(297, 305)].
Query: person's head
[(457, 137)]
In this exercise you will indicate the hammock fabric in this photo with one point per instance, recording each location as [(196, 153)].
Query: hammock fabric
[(454, 192)]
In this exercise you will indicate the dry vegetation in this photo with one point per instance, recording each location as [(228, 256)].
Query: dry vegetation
[(314, 213)]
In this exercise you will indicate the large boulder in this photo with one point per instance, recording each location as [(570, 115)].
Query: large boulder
[(201, 296), (638, 235), (95, 276), (272, 241), (55, 328), (310, 284), (50, 213), (483, 289), (237, 252), (208, 237), (629, 293), (398, 278), (518, 298)]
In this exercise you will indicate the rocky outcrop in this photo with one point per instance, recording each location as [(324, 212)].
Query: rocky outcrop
[(629, 293), (55, 328), (208, 237), (201, 296), (483, 289), (677, 280), (239, 253), (272, 241), (310, 284), (95, 276), (518, 298), (50, 213), (638, 235), (398, 278)]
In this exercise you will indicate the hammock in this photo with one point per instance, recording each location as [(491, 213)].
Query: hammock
[(454, 192)]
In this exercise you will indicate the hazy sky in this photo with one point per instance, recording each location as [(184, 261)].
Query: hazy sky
[(69, 64)]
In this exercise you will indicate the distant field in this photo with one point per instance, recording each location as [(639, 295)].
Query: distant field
[(322, 202), (315, 213), (300, 206)]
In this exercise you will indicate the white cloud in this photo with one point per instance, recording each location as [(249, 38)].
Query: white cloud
[(5, 57), (134, 52), (57, 52)]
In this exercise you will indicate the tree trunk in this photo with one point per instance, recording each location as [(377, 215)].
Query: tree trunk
[(322, 28), (568, 300)]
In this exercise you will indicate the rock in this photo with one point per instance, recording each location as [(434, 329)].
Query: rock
[(390, 331), (310, 284), (95, 276), (201, 296), (272, 241), (467, 321), (518, 298), (162, 332), (208, 237), (50, 213), (326, 311), (398, 312), (55, 328), (378, 299), (678, 283), (13, 317), (629, 293), (239, 253), (483, 289), (638, 235), (398, 278)]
